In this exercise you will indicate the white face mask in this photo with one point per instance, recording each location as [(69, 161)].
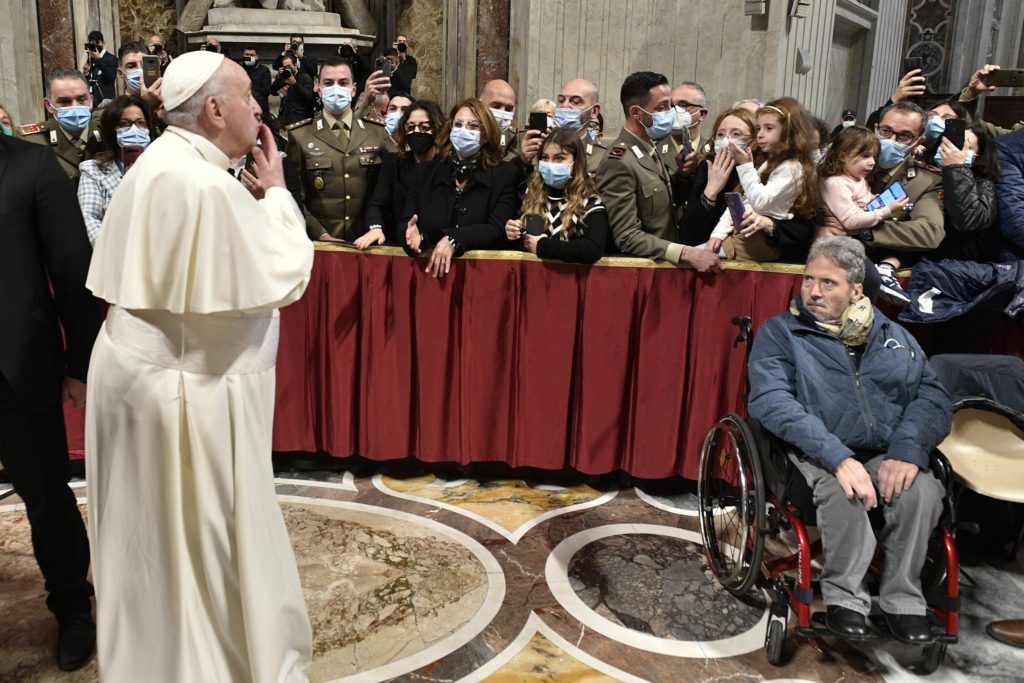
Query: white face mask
[(504, 118), (722, 143), (684, 120)]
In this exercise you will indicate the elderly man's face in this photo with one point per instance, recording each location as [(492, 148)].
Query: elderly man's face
[(825, 290), (240, 110)]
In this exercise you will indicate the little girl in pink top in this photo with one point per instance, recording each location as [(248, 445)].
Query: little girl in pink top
[(844, 186)]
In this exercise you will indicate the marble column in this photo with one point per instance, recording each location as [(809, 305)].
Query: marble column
[(21, 83), (492, 41), (57, 33)]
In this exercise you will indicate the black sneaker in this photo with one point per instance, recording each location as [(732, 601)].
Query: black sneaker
[(76, 641), (892, 291)]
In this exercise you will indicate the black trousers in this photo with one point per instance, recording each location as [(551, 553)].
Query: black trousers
[(34, 452)]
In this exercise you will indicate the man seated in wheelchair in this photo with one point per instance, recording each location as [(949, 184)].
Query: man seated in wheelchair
[(853, 392)]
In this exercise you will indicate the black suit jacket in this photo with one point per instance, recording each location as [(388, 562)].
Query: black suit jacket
[(476, 219), (298, 104), (261, 78), (102, 75), (387, 204), (42, 243)]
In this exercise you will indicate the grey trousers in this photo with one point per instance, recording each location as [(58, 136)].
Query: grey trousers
[(849, 542)]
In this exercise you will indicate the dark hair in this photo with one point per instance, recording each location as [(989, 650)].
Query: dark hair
[(850, 141), (108, 125), (250, 47), (297, 35), (959, 109), (400, 93), (636, 89), (131, 48), (336, 60), (822, 128), (986, 160), (907, 107), (62, 75), (492, 153), (288, 54), (600, 121), (434, 115), (94, 36)]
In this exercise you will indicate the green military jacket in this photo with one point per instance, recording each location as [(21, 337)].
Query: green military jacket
[(635, 187), (337, 180), (921, 228), (70, 157), (595, 150)]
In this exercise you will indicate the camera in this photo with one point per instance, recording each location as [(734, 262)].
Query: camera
[(295, 46), (157, 48), (286, 71), (92, 47), (402, 47)]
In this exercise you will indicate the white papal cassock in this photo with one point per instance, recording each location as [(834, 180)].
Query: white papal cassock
[(195, 576)]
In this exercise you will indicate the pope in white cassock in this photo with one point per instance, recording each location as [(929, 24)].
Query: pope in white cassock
[(195, 577)]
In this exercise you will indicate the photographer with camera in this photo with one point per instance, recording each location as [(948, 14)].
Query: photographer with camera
[(211, 45), (259, 76), (156, 47), (360, 68), (295, 88), (297, 46), (100, 69), (407, 65)]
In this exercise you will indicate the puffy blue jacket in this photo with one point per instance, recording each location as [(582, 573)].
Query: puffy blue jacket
[(1010, 192), (805, 389)]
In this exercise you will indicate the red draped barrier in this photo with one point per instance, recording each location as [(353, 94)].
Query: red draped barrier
[(622, 365)]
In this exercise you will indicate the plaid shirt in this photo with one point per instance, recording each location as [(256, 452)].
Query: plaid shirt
[(95, 190)]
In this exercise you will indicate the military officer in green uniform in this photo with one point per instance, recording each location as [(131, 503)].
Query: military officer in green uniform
[(636, 185), (338, 156), (73, 132), (577, 105)]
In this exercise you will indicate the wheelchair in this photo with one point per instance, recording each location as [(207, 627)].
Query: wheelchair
[(749, 491)]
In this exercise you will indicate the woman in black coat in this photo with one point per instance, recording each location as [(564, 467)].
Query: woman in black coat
[(969, 177), (418, 136), (462, 199)]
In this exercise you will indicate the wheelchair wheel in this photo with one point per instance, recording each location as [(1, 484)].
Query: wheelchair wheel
[(774, 639), (730, 493), (932, 658)]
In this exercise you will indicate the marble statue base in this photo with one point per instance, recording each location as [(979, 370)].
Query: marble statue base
[(268, 30)]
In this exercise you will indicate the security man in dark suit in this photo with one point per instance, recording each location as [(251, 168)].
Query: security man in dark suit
[(338, 156), (74, 131), (100, 68), (636, 185), (46, 259)]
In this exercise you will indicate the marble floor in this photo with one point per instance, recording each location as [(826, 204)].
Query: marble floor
[(413, 575)]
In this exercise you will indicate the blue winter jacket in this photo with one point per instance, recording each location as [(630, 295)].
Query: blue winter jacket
[(1010, 192), (805, 389)]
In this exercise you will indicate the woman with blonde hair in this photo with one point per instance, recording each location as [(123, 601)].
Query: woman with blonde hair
[(563, 194)]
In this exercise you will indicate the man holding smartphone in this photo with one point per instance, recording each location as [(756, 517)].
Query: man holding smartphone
[(983, 81)]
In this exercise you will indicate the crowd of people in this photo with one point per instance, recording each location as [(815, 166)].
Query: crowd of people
[(351, 155)]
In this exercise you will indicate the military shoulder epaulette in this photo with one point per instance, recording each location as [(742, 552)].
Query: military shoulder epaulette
[(376, 123), (297, 124), (31, 128)]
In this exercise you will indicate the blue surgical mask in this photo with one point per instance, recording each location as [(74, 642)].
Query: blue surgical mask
[(968, 158), (936, 125), (134, 79), (567, 117), (391, 122), (133, 136), (337, 99), (7, 130), (74, 119), (661, 125), (891, 153), (465, 141), (556, 176)]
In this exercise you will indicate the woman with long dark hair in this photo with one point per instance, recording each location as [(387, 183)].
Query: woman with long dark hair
[(126, 127)]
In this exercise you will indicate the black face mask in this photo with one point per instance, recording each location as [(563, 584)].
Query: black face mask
[(420, 143)]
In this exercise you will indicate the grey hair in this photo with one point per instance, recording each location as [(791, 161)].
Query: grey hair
[(907, 107), (187, 114), (699, 88), (845, 252), (63, 75), (738, 103)]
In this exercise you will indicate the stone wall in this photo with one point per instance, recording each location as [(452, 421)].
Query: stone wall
[(140, 19)]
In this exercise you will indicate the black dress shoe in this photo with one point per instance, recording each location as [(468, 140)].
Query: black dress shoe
[(910, 628), (846, 623), (76, 641)]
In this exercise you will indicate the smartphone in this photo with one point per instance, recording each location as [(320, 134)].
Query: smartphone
[(736, 209), (955, 129), (538, 121), (533, 223), (150, 69), (384, 64), (911, 63), (887, 196), (1006, 78)]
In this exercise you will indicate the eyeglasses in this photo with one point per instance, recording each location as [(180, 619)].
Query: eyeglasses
[(903, 137), (125, 124), (944, 117), (424, 127), (471, 125), (734, 135), (689, 106)]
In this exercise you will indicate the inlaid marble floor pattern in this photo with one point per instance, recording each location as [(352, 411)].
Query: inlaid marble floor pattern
[(413, 576)]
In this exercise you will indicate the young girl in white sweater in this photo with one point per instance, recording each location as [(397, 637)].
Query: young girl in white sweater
[(784, 186)]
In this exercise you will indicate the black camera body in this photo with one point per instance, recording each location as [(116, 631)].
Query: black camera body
[(295, 47), (158, 48), (92, 47), (402, 47)]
